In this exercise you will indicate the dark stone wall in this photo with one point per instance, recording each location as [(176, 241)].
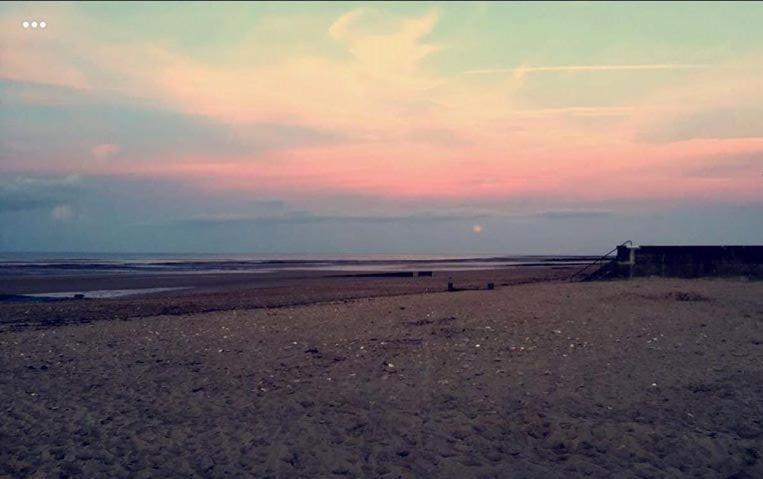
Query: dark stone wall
[(690, 261)]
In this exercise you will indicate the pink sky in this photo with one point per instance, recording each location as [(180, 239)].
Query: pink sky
[(399, 103)]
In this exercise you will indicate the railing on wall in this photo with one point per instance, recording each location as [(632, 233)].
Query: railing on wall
[(600, 262)]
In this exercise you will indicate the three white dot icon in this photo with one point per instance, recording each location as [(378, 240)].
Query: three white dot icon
[(34, 24)]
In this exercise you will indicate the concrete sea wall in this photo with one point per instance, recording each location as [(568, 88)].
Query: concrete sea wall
[(690, 261)]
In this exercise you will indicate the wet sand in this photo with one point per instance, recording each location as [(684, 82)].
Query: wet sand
[(642, 378), (222, 292)]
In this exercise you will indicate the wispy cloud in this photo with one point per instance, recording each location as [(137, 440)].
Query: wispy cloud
[(339, 27), (105, 150), (589, 110), (745, 165), (62, 213), (573, 214), (29, 193), (521, 71), (723, 122), (307, 217)]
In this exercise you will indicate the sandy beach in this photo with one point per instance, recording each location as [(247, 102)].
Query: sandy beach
[(224, 292), (641, 378)]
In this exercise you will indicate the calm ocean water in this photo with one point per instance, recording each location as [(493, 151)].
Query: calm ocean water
[(83, 263)]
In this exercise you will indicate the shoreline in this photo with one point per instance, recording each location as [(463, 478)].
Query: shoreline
[(219, 292)]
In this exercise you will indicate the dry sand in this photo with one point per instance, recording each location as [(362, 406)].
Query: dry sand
[(643, 378)]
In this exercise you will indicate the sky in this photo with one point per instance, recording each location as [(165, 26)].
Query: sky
[(416, 127)]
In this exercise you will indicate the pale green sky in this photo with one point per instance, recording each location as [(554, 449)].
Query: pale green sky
[(489, 33)]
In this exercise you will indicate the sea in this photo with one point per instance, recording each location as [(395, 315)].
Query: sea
[(190, 263)]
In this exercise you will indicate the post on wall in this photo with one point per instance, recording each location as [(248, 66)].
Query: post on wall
[(626, 260)]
